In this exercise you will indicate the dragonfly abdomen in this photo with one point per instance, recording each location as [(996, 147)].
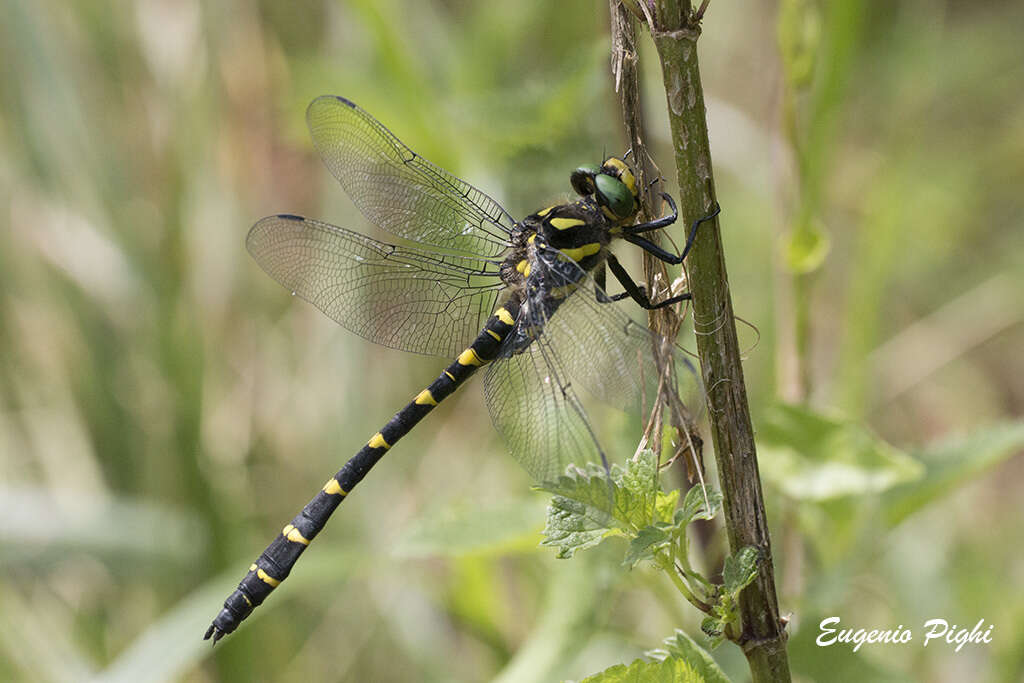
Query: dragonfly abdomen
[(276, 561)]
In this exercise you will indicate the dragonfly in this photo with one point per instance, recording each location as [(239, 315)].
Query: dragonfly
[(523, 298)]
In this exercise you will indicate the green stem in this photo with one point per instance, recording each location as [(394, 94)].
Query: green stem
[(669, 567), (763, 636)]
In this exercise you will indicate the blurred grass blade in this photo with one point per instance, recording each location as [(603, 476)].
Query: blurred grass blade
[(467, 528), (38, 525), (951, 464), (173, 644)]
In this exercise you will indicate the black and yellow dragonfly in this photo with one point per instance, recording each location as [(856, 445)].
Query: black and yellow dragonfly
[(483, 288)]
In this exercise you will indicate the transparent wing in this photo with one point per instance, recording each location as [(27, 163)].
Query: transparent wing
[(567, 338), (607, 352), (400, 191), (405, 298), (535, 409)]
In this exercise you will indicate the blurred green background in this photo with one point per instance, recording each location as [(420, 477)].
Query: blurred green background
[(165, 407)]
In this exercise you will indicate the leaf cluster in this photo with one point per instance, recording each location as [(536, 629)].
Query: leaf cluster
[(592, 505)]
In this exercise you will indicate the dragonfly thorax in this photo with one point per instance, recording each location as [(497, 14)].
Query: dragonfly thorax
[(576, 232)]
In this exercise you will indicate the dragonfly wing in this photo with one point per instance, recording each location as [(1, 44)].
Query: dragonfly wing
[(535, 409), (604, 350), (566, 338), (405, 298), (399, 190)]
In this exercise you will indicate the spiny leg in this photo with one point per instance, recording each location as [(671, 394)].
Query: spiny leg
[(632, 234), (638, 292), (658, 223), (599, 291)]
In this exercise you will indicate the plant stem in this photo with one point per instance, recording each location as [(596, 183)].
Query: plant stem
[(664, 322), (668, 566), (763, 636)]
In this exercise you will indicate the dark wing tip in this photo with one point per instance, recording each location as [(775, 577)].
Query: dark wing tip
[(331, 98), (291, 217)]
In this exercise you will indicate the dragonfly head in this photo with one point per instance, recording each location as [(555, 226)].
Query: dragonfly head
[(612, 184)]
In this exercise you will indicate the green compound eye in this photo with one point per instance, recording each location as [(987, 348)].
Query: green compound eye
[(614, 194), (582, 179)]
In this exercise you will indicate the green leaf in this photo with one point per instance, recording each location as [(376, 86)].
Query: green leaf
[(587, 507), (700, 502), (953, 463), (574, 525), (816, 457), (682, 646), (665, 505), (740, 569), (667, 671), (643, 546), (590, 487), (639, 490)]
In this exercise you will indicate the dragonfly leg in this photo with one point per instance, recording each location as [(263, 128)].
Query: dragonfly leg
[(637, 292), (655, 224), (631, 235), (602, 296)]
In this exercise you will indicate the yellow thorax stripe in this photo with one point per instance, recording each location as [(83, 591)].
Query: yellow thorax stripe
[(377, 441), (566, 223), (425, 398), (294, 535), (545, 212), (579, 253), (469, 357)]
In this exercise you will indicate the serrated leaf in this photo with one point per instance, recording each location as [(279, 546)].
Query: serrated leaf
[(641, 473), (682, 646), (696, 505), (639, 490), (629, 496), (643, 546), (817, 457), (740, 569), (590, 487), (574, 525), (667, 671)]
